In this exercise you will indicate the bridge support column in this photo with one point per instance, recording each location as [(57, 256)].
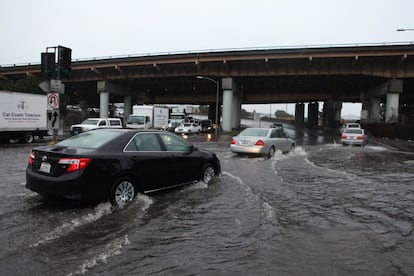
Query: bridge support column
[(313, 111), (395, 87), (389, 90), (371, 110), (103, 104), (127, 106), (84, 109), (227, 106), (228, 86), (212, 113), (332, 113), (300, 113), (104, 88), (103, 99), (392, 107), (236, 111)]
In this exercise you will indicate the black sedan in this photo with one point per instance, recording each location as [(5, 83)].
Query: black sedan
[(116, 164)]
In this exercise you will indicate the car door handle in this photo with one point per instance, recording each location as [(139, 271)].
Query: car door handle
[(133, 158)]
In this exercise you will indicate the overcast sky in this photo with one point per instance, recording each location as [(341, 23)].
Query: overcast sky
[(98, 28)]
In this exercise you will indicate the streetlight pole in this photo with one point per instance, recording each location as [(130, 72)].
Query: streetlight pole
[(403, 30), (217, 100)]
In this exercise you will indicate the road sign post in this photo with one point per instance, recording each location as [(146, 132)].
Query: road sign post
[(53, 73), (53, 114)]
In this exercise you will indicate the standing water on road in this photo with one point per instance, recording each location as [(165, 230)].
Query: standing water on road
[(320, 210)]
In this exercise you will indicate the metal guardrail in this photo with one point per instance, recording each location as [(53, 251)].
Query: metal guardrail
[(293, 47)]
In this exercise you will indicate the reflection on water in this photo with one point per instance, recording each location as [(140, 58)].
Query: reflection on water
[(320, 210)]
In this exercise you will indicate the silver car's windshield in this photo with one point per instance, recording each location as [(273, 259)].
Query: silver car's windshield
[(254, 132), (89, 139)]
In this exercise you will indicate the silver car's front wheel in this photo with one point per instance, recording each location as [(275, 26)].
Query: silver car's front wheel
[(208, 174), (123, 191)]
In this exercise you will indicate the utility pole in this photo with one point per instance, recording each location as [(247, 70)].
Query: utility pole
[(52, 72)]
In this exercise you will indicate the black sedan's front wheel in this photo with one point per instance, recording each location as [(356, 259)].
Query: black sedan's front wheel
[(122, 192), (208, 174)]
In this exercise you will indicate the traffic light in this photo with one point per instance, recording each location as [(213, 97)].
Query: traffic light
[(48, 65), (65, 59)]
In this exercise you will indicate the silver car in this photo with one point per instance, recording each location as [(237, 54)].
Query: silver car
[(188, 128), (354, 136), (262, 141)]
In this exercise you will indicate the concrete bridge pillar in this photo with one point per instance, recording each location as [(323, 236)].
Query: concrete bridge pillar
[(332, 113), (392, 107), (389, 90), (228, 86), (103, 99), (313, 112), (300, 113), (104, 88), (395, 87), (372, 110), (236, 111), (103, 104), (227, 106), (127, 106), (212, 113)]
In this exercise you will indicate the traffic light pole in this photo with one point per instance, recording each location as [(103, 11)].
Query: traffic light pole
[(49, 69)]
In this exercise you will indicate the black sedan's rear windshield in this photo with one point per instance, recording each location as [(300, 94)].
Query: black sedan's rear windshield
[(90, 139)]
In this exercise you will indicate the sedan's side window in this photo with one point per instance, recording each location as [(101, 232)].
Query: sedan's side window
[(276, 133), (144, 142), (173, 143)]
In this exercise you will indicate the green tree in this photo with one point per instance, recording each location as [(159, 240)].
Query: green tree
[(27, 84)]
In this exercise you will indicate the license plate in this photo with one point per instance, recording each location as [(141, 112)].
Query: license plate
[(244, 142), (45, 167)]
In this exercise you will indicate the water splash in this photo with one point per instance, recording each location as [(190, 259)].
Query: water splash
[(110, 250), (67, 227)]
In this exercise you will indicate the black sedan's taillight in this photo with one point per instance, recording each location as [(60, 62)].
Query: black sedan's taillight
[(73, 164)]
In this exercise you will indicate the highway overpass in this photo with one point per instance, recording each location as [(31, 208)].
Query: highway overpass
[(372, 74)]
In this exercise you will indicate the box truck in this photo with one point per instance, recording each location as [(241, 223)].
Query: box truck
[(148, 116), (22, 116)]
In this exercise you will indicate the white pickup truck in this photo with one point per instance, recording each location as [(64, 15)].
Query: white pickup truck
[(93, 123)]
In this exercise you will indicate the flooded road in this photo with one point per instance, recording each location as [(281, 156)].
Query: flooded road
[(323, 209)]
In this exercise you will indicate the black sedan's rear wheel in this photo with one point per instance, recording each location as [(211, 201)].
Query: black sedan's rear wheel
[(123, 191), (208, 174)]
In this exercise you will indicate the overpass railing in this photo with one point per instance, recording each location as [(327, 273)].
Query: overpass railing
[(245, 49)]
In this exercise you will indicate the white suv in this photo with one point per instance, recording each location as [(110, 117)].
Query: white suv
[(92, 123)]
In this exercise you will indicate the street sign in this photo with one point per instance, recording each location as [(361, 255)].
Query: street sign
[(45, 86), (53, 119), (52, 101), (55, 85)]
